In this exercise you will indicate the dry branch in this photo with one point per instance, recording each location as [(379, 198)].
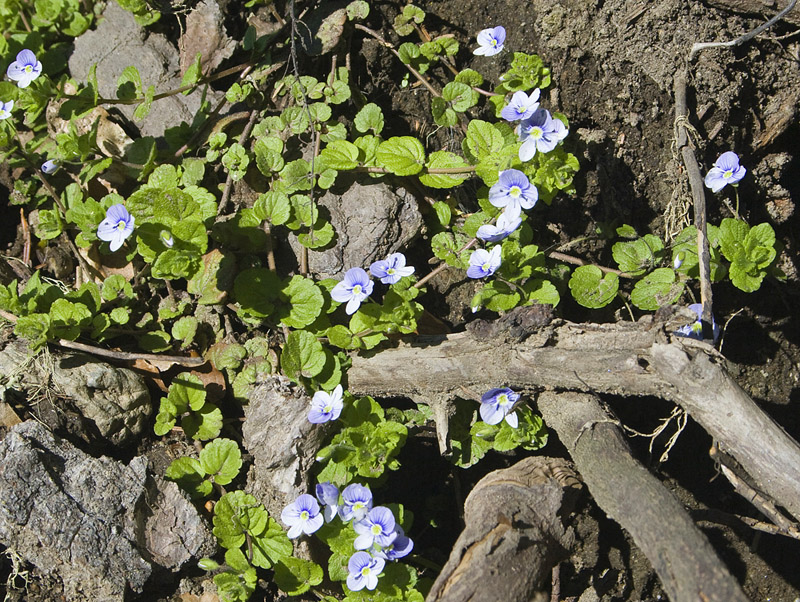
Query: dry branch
[(686, 563), (622, 359), (513, 519)]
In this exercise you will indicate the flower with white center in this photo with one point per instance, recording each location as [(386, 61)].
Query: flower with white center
[(364, 571), (497, 404), (507, 222), (484, 263), (302, 516), (326, 406), (726, 171), (521, 106), (25, 69), (490, 41), (5, 109), (540, 132), (353, 289), (513, 191), (391, 269), (378, 527), (117, 226), (356, 502)]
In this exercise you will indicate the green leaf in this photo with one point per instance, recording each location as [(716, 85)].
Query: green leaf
[(370, 117), (750, 251), (483, 139), (340, 155), (236, 161), (340, 336), (185, 330), (304, 299), (273, 206), (193, 73), (302, 355), (460, 97), (227, 356), (442, 210), (357, 10), (129, 84), (591, 288), (638, 256), (404, 22), (186, 392), (203, 424), (659, 287), (214, 279), (256, 290), (221, 459), (401, 155), (188, 474), (445, 248), (269, 155), (49, 225), (67, 319), (233, 586), (235, 514), (445, 160), (120, 315), (321, 236), (271, 546), (296, 576), (34, 328), (143, 110)]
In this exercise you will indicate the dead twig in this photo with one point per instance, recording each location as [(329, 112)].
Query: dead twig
[(698, 46)]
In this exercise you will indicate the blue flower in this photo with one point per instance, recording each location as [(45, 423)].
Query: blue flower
[(5, 109), (326, 406), (540, 132), (376, 528), (391, 269), (302, 516), (328, 496), (354, 288), (507, 222), (497, 404), (513, 189), (521, 106), (695, 329), (484, 263), (490, 41), (401, 546), (25, 69), (117, 226), (49, 166), (364, 571), (356, 502), (726, 171)]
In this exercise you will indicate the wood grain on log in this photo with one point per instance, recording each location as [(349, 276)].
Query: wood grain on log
[(686, 563), (513, 527)]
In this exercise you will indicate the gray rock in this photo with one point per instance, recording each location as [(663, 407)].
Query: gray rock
[(115, 399), (117, 43), (371, 221), (98, 524), (283, 442)]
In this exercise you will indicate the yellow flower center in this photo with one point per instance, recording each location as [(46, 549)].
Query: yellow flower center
[(536, 132), (502, 400), (304, 515), (121, 225), (728, 174), (515, 191), (376, 529), (357, 289), (28, 68), (365, 571)]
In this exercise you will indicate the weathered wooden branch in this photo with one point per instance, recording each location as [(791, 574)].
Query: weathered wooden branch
[(623, 359), (686, 563), (513, 523)]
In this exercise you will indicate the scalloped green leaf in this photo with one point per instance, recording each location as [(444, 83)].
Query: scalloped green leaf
[(222, 460), (591, 288), (659, 287), (401, 155), (302, 355)]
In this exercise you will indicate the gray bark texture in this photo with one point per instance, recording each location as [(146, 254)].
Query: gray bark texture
[(100, 525), (686, 563), (514, 534), (115, 399)]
